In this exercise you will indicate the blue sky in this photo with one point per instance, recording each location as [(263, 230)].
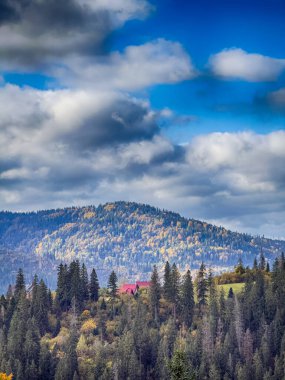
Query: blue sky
[(178, 104)]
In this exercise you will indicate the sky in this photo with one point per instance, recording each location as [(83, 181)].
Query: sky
[(173, 103)]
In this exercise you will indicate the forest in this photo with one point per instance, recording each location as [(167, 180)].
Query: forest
[(176, 329), (115, 235)]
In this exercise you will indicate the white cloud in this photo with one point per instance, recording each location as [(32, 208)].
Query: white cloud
[(121, 10), (155, 62), (238, 64), (65, 147)]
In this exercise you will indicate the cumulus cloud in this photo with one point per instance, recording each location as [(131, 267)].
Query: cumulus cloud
[(238, 64), (155, 62), (67, 147), (34, 33)]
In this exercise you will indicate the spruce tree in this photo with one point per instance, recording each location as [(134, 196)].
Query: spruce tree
[(75, 283), (178, 366), (187, 300), (113, 285), (41, 307), (46, 364), (84, 284), (154, 293), (94, 286), (20, 285), (113, 289), (167, 285), (175, 286), (62, 290), (202, 287), (262, 262)]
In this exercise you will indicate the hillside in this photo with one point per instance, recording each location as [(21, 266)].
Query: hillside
[(130, 237)]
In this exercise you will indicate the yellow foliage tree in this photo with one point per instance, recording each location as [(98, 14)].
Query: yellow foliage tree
[(3, 376), (88, 326)]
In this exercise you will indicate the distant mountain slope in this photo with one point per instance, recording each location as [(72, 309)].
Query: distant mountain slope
[(128, 237)]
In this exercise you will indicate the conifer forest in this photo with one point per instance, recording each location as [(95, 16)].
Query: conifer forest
[(176, 328)]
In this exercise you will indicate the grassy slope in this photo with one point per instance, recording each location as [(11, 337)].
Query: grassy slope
[(237, 287)]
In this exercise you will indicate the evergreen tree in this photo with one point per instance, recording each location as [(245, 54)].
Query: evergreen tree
[(231, 293), (113, 285), (84, 284), (167, 285), (187, 300), (154, 293), (62, 290), (175, 287), (94, 286), (202, 287), (20, 285), (41, 307), (46, 364), (32, 344), (179, 367), (262, 262), (74, 274), (17, 330)]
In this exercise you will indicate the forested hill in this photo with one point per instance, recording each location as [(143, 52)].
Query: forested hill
[(127, 236)]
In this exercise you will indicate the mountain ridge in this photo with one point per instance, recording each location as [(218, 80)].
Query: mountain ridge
[(128, 236)]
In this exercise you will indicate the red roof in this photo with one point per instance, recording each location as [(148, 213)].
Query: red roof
[(128, 288), (132, 288), (143, 284)]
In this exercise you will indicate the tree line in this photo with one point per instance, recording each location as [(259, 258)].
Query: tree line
[(177, 329)]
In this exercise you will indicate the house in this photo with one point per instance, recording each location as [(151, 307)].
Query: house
[(128, 289), (143, 284), (133, 288)]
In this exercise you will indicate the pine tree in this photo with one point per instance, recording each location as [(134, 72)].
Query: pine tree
[(113, 285), (255, 265), (46, 364), (167, 285), (84, 284), (231, 293), (20, 285), (62, 291), (17, 330), (94, 286), (154, 293), (187, 300), (202, 287), (35, 285), (175, 286), (179, 367), (41, 307), (262, 262), (75, 283), (31, 347), (213, 304), (113, 289)]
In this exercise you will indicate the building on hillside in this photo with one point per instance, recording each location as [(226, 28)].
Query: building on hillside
[(133, 288)]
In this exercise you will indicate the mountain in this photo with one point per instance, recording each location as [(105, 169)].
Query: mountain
[(124, 236)]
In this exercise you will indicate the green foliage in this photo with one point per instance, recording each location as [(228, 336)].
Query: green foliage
[(154, 293), (202, 286), (187, 300), (230, 338), (179, 367), (94, 286), (113, 285)]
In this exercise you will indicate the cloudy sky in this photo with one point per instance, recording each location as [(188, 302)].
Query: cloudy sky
[(174, 103)]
